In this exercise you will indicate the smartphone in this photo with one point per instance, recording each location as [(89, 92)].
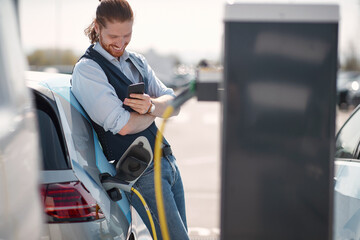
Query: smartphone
[(138, 88)]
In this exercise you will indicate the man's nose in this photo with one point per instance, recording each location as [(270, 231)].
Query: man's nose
[(121, 42)]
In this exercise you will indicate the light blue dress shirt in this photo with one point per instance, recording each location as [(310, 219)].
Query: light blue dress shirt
[(98, 97)]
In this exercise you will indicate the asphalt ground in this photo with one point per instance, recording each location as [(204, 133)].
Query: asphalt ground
[(195, 139)]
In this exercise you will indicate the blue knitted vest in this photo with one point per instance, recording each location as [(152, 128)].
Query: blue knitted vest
[(114, 146)]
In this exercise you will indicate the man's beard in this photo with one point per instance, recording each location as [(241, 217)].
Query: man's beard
[(109, 48)]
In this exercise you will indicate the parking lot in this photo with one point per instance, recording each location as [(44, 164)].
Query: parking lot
[(195, 139), (195, 136)]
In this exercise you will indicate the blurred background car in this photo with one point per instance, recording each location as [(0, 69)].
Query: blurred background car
[(20, 208), (353, 96), (76, 204), (347, 85)]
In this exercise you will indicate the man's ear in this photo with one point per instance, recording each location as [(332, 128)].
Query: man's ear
[(97, 27)]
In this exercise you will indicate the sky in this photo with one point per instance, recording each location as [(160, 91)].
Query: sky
[(190, 29)]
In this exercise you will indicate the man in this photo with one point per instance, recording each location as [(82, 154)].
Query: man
[(100, 80)]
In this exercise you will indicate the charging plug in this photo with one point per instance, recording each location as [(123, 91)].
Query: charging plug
[(209, 83)]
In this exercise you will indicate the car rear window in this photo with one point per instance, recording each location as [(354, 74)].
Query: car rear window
[(54, 154)]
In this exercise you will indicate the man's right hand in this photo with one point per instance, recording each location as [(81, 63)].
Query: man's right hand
[(139, 102)]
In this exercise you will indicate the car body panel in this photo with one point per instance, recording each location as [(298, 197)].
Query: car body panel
[(138, 227), (57, 176), (95, 230), (346, 178), (20, 207), (347, 200)]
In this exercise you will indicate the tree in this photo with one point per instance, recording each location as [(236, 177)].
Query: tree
[(351, 61), (48, 57)]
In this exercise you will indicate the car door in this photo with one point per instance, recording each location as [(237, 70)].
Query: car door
[(347, 183)]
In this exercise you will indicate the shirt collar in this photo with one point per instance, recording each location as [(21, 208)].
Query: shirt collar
[(107, 55)]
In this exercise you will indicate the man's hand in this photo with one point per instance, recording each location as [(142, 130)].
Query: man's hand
[(140, 103), (139, 121)]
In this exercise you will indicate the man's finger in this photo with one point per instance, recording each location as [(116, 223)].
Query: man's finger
[(138, 96), (134, 103)]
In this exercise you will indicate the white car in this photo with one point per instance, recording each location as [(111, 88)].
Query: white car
[(20, 208), (76, 204), (347, 175)]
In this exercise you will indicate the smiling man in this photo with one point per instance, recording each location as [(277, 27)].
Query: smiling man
[(115, 37), (100, 81)]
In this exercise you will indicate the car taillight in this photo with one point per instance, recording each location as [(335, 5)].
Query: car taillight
[(69, 202)]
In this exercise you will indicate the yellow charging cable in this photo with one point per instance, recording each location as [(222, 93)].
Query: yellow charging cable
[(147, 211), (157, 175), (176, 103)]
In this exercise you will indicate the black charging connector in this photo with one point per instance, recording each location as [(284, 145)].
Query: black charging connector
[(208, 84)]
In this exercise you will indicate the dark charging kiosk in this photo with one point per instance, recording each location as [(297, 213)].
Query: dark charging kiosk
[(280, 65)]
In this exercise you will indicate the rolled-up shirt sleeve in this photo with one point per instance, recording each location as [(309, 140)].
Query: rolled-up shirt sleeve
[(93, 91)]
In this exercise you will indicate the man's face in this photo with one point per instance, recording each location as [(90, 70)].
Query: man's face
[(115, 36)]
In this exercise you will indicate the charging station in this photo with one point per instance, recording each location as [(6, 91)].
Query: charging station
[(280, 65)]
